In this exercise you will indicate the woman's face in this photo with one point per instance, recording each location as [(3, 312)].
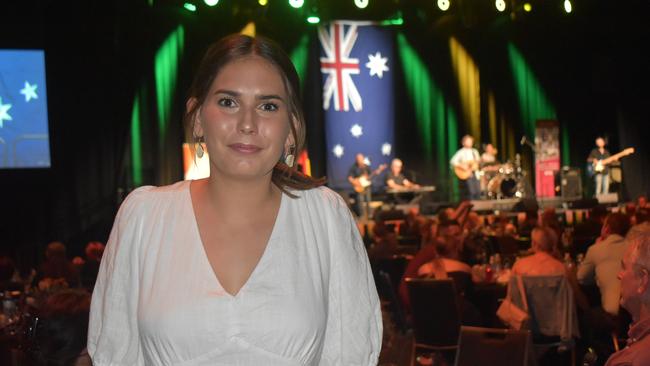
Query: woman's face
[(245, 119)]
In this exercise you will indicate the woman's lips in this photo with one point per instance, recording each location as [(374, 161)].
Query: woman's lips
[(245, 148)]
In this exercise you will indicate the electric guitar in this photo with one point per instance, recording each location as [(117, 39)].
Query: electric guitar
[(364, 181), (597, 166), (465, 170)]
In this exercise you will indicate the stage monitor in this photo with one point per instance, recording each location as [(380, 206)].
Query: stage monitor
[(24, 137)]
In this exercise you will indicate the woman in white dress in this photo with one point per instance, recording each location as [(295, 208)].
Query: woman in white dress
[(255, 265)]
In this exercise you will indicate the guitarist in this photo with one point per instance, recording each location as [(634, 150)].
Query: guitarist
[(360, 177), (466, 163), (597, 154)]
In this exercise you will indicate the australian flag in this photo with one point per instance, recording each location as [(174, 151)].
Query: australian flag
[(357, 68)]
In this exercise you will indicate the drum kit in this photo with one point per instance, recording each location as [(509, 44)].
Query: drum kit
[(499, 181)]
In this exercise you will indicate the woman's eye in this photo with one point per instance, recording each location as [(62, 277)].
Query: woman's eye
[(269, 107), (226, 102)]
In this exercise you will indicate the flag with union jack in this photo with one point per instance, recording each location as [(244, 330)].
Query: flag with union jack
[(357, 70)]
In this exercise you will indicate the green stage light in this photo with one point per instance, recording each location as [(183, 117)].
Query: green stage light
[(444, 5), (297, 3), (313, 20), (500, 5), (567, 6), (528, 7), (361, 4), (395, 21), (211, 2), (189, 6), (263, 2)]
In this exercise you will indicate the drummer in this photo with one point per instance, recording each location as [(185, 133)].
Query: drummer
[(489, 166), (489, 156), (396, 180)]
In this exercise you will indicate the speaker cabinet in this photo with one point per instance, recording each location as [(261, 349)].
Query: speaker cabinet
[(571, 183)]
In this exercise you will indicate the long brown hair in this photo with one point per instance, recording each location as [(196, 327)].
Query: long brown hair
[(237, 46)]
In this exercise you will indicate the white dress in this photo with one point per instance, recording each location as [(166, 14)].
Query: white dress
[(311, 300)]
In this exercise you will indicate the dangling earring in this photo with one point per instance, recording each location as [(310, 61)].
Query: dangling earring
[(199, 147), (289, 159)]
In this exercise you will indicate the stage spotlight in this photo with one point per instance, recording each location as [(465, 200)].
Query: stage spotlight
[(528, 7), (500, 5), (567, 6), (211, 2), (263, 2), (313, 20), (189, 6), (444, 5), (297, 3), (361, 4)]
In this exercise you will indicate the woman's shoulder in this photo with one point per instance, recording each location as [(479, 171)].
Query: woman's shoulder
[(145, 196), (322, 196)]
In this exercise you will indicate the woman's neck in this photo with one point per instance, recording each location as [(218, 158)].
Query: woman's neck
[(243, 196)]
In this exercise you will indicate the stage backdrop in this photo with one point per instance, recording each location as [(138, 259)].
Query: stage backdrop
[(357, 66)]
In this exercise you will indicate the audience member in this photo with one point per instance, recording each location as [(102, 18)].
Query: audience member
[(543, 262), (94, 251), (449, 232), (549, 219), (411, 225), (61, 328), (642, 201), (7, 269), (384, 243), (602, 261), (635, 298), (531, 221), (57, 266), (447, 265), (639, 227), (589, 229)]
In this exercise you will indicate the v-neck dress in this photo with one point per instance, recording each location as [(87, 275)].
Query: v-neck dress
[(311, 299)]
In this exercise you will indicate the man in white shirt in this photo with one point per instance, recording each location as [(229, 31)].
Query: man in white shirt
[(465, 163), (603, 261)]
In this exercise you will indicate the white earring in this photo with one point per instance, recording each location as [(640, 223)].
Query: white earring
[(199, 147), (290, 158)]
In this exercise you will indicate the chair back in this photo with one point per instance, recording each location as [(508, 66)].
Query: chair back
[(492, 346), (395, 307), (435, 311), (551, 305)]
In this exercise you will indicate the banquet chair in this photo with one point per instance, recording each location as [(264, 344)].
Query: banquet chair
[(493, 346), (395, 307), (435, 314), (553, 320)]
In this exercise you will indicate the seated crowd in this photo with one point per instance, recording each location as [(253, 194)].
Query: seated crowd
[(457, 242), (45, 309)]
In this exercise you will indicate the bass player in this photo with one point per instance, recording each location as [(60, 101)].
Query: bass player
[(600, 153), (360, 178)]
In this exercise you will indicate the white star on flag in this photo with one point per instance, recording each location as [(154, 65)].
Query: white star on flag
[(338, 150), (356, 130), (385, 149), (377, 64), (29, 91), (4, 113)]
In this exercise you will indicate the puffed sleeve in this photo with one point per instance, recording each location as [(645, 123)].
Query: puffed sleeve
[(113, 327), (354, 322)]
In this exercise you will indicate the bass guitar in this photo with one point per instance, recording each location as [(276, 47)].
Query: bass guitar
[(364, 181), (597, 166)]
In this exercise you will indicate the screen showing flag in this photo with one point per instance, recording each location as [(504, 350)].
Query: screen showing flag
[(24, 138), (357, 67)]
